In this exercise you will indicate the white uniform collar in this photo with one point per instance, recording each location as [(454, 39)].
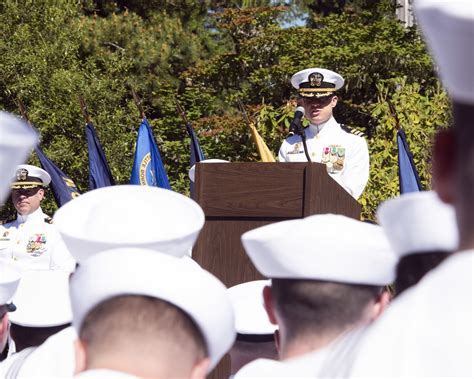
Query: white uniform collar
[(36, 215), (323, 129)]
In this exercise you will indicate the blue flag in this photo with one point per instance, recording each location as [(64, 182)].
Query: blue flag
[(99, 171), (197, 154), (407, 174), (63, 188), (148, 169)]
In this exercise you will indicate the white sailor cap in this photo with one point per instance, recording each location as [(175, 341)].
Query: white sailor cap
[(250, 315), (28, 176), (448, 27), (419, 222), (316, 82), (42, 299), (133, 271), (322, 247), (192, 170), (9, 280), (16, 140), (129, 215)]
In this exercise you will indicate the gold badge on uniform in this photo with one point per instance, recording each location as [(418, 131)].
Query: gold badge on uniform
[(21, 174), (36, 245), (296, 149), (315, 79)]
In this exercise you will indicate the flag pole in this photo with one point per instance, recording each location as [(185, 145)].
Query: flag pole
[(138, 103), (394, 114), (84, 110), (23, 112), (181, 111)]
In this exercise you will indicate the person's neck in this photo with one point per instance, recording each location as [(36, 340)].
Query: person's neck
[(26, 216), (319, 127), (135, 366), (308, 343)]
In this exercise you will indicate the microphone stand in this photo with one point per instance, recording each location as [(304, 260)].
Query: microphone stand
[(303, 138)]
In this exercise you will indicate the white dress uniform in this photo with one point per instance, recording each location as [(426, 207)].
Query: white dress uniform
[(427, 331), (32, 242), (346, 155), (53, 359)]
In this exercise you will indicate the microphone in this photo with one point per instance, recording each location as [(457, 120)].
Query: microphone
[(295, 126)]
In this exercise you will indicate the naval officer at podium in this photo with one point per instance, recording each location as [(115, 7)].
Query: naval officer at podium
[(344, 153)]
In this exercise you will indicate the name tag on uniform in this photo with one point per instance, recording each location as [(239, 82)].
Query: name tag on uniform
[(297, 149)]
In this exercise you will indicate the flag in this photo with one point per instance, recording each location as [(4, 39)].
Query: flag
[(265, 153), (99, 171), (148, 169), (197, 154), (63, 188), (407, 174)]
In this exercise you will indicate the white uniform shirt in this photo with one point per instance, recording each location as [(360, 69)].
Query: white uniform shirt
[(55, 358), (310, 365), (427, 331), (346, 155), (32, 243)]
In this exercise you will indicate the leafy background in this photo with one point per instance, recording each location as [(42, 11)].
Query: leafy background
[(208, 54)]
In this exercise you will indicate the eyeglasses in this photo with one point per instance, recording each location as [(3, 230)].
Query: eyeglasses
[(318, 100), (26, 191)]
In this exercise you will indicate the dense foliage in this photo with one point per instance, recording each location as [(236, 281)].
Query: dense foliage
[(208, 54)]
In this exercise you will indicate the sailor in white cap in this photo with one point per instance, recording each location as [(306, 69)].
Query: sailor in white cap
[(345, 154), (255, 333), (427, 331), (9, 280), (16, 140), (422, 231), (322, 295), (42, 310), (128, 215), (149, 315), (31, 241), (104, 219)]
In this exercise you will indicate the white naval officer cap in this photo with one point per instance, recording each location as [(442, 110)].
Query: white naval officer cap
[(419, 222), (250, 315), (42, 299), (9, 281), (322, 247), (316, 82), (16, 140), (448, 27), (133, 271), (192, 170), (129, 215), (28, 176)]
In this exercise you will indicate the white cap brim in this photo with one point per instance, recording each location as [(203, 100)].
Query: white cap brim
[(129, 215)]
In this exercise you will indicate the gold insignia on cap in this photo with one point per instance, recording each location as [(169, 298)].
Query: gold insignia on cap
[(315, 79), (21, 174)]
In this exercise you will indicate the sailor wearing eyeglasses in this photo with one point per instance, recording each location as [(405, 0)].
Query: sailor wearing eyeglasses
[(31, 241)]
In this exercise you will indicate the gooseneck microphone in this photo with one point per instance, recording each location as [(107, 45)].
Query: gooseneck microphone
[(295, 126)]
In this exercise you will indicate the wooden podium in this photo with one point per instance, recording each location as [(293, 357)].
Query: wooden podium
[(237, 197)]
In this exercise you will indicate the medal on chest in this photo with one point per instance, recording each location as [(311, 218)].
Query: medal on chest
[(36, 245), (334, 156)]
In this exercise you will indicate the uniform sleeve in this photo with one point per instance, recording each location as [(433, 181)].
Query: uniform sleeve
[(282, 156), (356, 172), (61, 259)]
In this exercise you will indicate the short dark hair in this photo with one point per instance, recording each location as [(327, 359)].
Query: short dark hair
[(132, 319), (411, 268), (312, 307)]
